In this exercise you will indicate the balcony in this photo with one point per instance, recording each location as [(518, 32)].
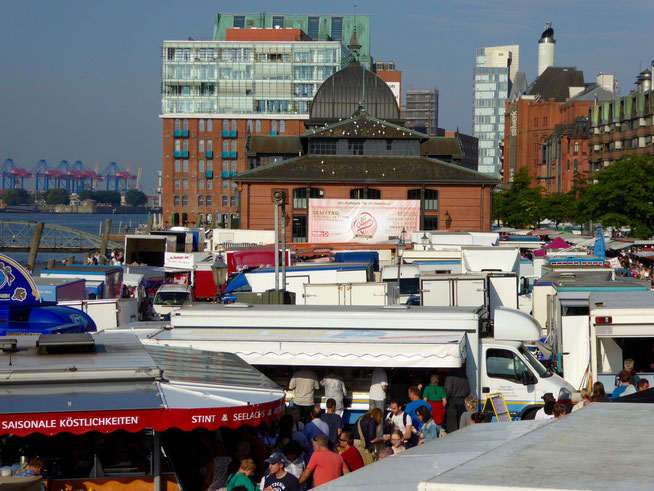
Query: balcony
[(181, 133), (230, 134), (208, 155), (229, 155), (224, 175), (225, 155), (208, 174), (183, 154)]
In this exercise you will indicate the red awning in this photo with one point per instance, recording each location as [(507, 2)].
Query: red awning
[(136, 420)]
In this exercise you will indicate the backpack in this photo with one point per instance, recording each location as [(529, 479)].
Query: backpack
[(360, 445)]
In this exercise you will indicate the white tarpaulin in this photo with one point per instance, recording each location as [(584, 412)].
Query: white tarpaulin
[(364, 221), (353, 348)]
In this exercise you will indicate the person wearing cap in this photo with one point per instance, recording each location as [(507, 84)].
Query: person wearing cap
[(324, 464), (541, 414), (278, 479)]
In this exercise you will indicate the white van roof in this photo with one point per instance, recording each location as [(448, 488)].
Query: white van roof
[(174, 287)]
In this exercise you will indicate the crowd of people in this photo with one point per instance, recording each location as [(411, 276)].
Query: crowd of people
[(632, 266)]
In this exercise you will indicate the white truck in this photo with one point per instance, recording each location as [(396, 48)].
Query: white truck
[(109, 313), (408, 341), (370, 293)]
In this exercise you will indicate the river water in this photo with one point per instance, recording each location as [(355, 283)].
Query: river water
[(89, 223)]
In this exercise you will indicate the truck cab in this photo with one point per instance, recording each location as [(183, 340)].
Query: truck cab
[(171, 297)]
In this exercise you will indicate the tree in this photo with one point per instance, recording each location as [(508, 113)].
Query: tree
[(85, 194), (108, 197), (623, 195), (520, 206), (57, 197), (13, 197), (134, 197)]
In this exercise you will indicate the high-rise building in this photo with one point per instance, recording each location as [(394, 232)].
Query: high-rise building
[(392, 76), (494, 73), (248, 80), (420, 111), (317, 27)]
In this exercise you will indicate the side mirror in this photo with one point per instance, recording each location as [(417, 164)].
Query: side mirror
[(528, 378)]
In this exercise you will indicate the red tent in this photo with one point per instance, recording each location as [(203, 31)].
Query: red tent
[(557, 243)]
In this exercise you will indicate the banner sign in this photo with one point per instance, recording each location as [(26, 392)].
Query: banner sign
[(136, 420), (364, 221), (179, 260)]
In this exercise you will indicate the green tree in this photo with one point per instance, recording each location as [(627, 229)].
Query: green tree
[(13, 197), (85, 194), (108, 197), (134, 197), (57, 197), (520, 206), (623, 195)]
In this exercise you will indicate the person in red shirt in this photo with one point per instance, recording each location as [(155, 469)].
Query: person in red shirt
[(324, 464), (348, 451)]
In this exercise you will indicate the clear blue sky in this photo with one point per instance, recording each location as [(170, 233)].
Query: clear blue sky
[(80, 79)]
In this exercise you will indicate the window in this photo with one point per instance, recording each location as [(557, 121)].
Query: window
[(201, 166), (225, 125), (209, 145), (200, 200), (177, 124), (232, 201), (201, 125), (544, 120), (178, 166), (225, 145), (209, 165), (504, 364), (273, 126), (225, 184), (313, 27), (357, 193), (278, 21), (178, 146), (225, 166), (233, 168), (535, 121), (337, 28), (225, 201), (176, 183), (257, 125), (184, 200), (431, 223), (201, 184), (185, 166), (575, 166), (184, 183), (176, 200), (282, 126), (234, 142), (362, 193), (200, 146), (300, 197), (185, 146), (249, 125), (299, 230), (355, 147), (209, 184), (576, 147), (185, 125), (233, 185), (373, 194), (239, 21), (209, 125), (208, 200), (233, 125)]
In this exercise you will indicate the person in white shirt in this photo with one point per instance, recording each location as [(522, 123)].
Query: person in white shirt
[(400, 421), (541, 414), (378, 388)]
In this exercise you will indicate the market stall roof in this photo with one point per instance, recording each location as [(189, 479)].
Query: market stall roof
[(122, 385), (327, 347)]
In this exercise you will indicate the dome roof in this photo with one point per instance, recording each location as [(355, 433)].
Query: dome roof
[(341, 96)]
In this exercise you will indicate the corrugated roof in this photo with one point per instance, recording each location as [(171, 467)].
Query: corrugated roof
[(269, 144), (364, 126), (442, 146), (349, 168)]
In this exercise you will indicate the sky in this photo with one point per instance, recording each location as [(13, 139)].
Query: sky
[(80, 79)]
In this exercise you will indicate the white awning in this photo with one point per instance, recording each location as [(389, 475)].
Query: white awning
[(329, 347)]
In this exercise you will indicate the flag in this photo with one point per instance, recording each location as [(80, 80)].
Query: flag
[(600, 247)]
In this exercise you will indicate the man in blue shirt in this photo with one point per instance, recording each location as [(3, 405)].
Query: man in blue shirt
[(412, 407), (626, 387)]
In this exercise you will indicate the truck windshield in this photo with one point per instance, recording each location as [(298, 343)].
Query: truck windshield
[(172, 298), (535, 364)]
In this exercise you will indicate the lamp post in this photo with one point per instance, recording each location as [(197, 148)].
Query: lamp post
[(424, 240), (398, 254), (219, 273)]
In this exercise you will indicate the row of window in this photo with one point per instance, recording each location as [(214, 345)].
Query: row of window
[(206, 200), (182, 125), (204, 183), (182, 166), (300, 196)]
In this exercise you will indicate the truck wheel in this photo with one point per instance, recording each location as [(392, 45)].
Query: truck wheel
[(531, 414)]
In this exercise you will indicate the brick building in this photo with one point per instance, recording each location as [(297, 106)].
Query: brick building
[(355, 148), (558, 97), (565, 153), (623, 126)]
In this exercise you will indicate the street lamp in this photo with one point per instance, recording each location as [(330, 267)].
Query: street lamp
[(219, 272), (398, 254), (424, 240)]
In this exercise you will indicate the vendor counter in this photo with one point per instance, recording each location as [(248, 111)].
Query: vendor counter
[(140, 483)]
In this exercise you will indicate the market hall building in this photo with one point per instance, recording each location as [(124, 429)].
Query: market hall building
[(355, 147)]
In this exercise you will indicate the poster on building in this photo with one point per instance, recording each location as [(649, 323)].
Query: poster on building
[(363, 221)]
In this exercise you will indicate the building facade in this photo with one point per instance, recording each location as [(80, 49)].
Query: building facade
[(420, 110), (623, 126), (392, 76), (214, 94), (351, 152), (565, 157), (494, 73), (338, 28)]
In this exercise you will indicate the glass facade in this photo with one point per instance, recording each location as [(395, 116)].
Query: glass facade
[(234, 77), (491, 88)]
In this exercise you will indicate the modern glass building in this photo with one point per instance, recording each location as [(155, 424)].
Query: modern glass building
[(317, 27), (494, 73), (246, 78)]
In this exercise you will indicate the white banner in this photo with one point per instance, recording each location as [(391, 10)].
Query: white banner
[(364, 221), (179, 260)]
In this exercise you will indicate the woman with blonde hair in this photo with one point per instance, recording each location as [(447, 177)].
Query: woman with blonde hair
[(435, 395), (585, 400)]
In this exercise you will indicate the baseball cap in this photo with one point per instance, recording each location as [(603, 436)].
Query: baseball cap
[(548, 397), (276, 458)]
